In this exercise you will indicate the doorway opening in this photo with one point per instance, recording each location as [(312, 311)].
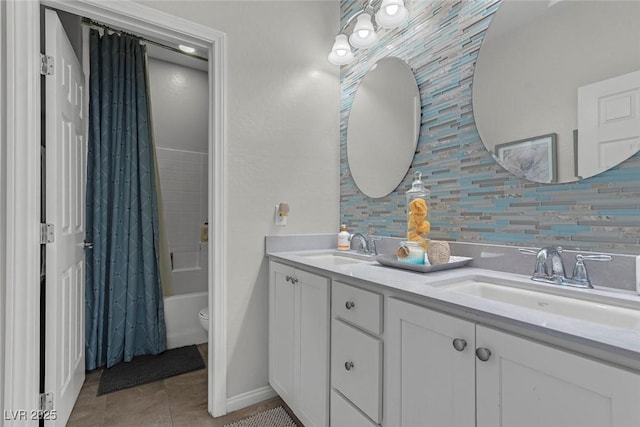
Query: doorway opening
[(167, 29)]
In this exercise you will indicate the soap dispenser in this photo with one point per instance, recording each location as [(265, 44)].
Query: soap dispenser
[(418, 226), (343, 239)]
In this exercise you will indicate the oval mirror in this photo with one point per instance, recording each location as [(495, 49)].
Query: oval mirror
[(556, 88), (383, 127)]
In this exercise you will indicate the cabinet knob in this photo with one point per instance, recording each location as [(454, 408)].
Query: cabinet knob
[(459, 344), (483, 353), (348, 366), (350, 305), (291, 279)]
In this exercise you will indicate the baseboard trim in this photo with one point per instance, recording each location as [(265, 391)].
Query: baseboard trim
[(249, 398)]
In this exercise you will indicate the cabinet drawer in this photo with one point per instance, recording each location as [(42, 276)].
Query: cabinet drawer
[(355, 305), (356, 369), (344, 414)]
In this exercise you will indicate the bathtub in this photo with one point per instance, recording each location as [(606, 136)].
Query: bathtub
[(181, 318)]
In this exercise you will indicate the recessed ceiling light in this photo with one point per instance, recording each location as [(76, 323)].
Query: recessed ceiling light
[(187, 49)]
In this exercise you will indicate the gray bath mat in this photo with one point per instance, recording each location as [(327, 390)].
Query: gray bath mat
[(147, 369), (276, 417)]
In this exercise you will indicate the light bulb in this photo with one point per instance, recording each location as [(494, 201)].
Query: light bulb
[(392, 14), (341, 51), (392, 9), (363, 35)]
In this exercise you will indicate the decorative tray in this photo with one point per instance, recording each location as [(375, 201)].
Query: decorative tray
[(454, 262)]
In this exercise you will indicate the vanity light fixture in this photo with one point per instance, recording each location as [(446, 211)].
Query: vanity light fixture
[(392, 14)]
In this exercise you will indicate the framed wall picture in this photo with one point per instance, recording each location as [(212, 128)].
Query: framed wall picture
[(532, 158)]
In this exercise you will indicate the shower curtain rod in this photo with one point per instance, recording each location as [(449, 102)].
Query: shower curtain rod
[(94, 24)]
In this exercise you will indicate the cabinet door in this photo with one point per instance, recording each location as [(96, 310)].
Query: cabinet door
[(313, 395), (282, 327), (429, 381), (525, 383)]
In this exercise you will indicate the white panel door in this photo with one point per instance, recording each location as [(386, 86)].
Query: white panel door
[(65, 183), (527, 384), (608, 123), (429, 380)]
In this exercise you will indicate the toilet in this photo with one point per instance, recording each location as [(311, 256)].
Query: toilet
[(203, 315)]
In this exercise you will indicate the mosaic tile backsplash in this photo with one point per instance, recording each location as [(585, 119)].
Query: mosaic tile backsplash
[(473, 199)]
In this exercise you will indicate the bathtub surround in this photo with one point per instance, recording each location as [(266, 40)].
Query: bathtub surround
[(179, 100), (183, 181), (472, 198)]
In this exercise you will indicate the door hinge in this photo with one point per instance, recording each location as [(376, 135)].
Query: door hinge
[(46, 65), (46, 233), (46, 402)]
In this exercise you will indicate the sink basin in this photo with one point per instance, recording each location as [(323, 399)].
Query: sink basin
[(605, 314), (335, 259)]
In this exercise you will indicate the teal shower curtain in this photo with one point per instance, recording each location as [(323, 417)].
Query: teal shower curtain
[(124, 307)]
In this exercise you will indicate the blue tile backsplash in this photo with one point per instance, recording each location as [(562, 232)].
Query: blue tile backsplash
[(473, 199)]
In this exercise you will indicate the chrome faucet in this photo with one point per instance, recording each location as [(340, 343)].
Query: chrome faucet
[(550, 267), (367, 243), (549, 264), (364, 244)]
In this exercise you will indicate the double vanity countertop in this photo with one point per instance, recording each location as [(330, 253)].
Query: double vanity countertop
[(602, 323)]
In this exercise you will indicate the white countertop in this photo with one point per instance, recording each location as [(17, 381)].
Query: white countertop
[(612, 344)]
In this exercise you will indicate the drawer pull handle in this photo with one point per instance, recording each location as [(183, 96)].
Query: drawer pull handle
[(348, 366), (349, 305), (294, 280), (459, 344), (483, 353), (288, 278)]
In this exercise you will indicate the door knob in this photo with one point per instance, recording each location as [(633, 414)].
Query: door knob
[(349, 305), (483, 353), (348, 366), (459, 344)]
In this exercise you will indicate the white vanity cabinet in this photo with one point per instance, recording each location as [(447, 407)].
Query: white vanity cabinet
[(426, 377), (512, 381), (299, 341), (525, 383), (356, 356)]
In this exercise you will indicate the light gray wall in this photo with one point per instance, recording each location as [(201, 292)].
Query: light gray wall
[(283, 145), (179, 102)]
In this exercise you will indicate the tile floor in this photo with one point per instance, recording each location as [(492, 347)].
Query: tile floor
[(179, 401)]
